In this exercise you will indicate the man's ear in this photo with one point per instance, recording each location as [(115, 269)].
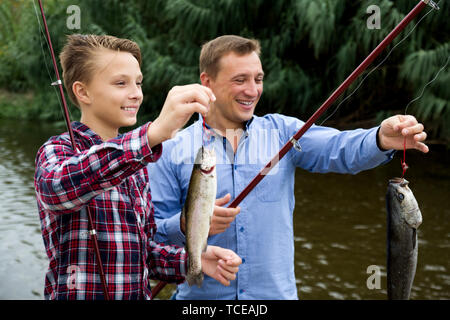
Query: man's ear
[(81, 93), (205, 79)]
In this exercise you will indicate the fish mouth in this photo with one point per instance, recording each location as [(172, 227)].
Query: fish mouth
[(401, 181), (207, 171)]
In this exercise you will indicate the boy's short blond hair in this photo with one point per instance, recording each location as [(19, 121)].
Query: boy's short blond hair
[(215, 49), (78, 57)]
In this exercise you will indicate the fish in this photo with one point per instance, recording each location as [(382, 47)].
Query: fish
[(403, 219), (198, 210)]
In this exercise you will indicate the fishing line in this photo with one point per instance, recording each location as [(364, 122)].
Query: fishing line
[(426, 85), (377, 66), (41, 32), (206, 134), (403, 162), (42, 35)]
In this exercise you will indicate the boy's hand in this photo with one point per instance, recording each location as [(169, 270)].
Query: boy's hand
[(220, 264), (180, 104)]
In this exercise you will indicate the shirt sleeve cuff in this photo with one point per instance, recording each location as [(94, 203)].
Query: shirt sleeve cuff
[(174, 233), (136, 143), (385, 155)]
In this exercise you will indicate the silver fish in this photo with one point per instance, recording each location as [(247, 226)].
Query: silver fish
[(198, 210), (403, 219)]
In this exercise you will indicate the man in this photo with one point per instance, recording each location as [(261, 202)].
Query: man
[(262, 233)]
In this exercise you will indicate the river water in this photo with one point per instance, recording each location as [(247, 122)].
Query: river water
[(339, 220)]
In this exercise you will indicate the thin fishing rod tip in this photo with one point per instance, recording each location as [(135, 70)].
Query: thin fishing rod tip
[(432, 4)]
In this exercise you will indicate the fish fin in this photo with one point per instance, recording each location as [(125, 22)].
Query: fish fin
[(196, 279), (205, 246), (414, 238)]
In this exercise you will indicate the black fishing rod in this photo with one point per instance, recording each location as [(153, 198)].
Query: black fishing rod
[(58, 83)]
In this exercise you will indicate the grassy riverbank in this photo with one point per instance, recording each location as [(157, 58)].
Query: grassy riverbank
[(15, 105), (31, 106)]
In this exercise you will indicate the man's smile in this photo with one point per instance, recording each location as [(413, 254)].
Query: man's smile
[(246, 104)]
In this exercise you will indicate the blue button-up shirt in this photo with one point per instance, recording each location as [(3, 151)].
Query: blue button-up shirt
[(262, 233)]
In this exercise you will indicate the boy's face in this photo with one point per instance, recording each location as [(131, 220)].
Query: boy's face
[(114, 91), (237, 87)]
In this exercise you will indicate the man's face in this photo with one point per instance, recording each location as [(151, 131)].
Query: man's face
[(237, 87)]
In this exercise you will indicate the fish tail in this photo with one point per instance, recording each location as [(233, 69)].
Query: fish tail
[(195, 279)]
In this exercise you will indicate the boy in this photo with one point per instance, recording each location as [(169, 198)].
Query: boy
[(107, 175)]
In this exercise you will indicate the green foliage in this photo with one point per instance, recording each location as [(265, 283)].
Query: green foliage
[(14, 54), (308, 48)]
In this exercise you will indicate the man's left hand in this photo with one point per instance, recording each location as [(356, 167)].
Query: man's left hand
[(394, 130)]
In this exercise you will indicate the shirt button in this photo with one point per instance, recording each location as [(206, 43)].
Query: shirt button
[(241, 229), (241, 291), (243, 260)]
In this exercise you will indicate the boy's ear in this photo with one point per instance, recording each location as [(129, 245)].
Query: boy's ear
[(81, 93)]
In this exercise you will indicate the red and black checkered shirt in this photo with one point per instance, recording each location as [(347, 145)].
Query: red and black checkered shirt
[(111, 180)]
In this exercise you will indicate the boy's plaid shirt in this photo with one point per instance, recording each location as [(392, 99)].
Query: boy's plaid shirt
[(110, 178)]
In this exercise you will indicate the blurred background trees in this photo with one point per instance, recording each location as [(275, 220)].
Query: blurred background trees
[(308, 48)]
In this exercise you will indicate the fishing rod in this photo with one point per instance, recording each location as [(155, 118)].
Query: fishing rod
[(344, 85), (58, 83), (352, 77)]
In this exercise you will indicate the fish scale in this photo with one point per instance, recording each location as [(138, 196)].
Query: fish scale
[(403, 219), (198, 210)]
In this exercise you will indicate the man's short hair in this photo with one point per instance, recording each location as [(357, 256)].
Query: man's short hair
[(215, 49)]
